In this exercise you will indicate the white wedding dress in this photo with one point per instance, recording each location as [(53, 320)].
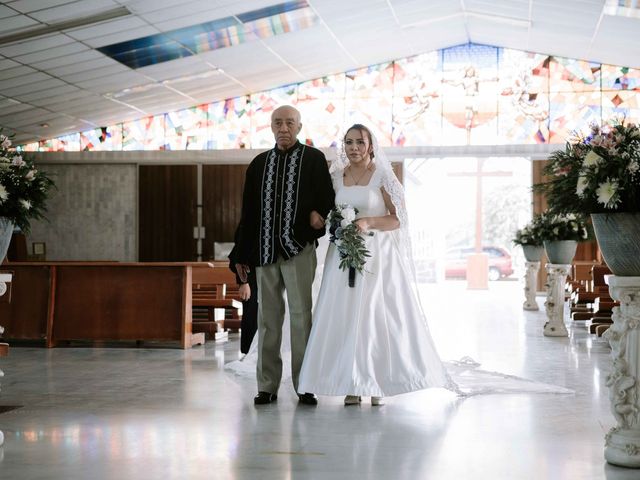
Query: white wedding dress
[(370, 339)]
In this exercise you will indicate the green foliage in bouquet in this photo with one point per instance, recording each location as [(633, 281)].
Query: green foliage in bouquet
[(554, 226), (530, 234), (349, 242), (23, 188), (599, 173)]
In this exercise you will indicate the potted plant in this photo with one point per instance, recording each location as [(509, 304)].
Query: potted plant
[(561, 234), (530, 239), (23, 192), (599, 175)]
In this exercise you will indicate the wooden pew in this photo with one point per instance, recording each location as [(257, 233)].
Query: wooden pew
[(213, 287), (100, 302)]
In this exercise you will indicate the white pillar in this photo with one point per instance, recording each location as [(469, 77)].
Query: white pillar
[(556, 279), (4, 279), (622, 443), (530, 285)]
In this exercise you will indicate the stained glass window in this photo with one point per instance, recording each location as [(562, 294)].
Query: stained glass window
[(102, 139), (262, 106), (230, 123), (469, 95), (187, 129), (464, 95), (417, 103), (144, 134), (66, 143)]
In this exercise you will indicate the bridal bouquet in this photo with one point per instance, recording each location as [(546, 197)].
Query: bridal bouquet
[(345, 236), (23, 188), (599, 173)]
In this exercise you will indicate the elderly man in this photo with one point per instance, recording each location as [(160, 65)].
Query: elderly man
[(287, 195)]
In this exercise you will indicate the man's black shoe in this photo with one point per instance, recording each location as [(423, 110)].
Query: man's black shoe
[(308, 398), (262, 398)]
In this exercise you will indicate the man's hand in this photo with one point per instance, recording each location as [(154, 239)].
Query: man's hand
[(316, 220), (244, 291), (242, 271)]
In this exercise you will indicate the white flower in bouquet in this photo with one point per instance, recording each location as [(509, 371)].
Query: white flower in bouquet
[(26, 204), (592, 159), (31, 174), (4, 141), (583, 182), (349, 213), (18, 161), (3, 194), (607, 193)]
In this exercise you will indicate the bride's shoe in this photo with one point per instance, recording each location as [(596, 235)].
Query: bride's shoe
[(352, 400), (377, 401)]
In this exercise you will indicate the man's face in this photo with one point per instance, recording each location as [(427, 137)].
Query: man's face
[(285, 125)]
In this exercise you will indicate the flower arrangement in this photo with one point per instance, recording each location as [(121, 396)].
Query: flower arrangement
[(599, 173), (553, 226), (23, 189), (530, 234), (345, 236)]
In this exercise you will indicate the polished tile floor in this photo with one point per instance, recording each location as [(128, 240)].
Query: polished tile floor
[(138, 413)]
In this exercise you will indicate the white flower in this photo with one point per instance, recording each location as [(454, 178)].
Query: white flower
[(4, 141), (556, 230), (26, 204), (597, 140), (633, 166), (592, 159), (582, 185), (3, 193), (584, 233), (349, 214), (344, 223), (635, 133), (18, 161), (607, 193), (31, 175)]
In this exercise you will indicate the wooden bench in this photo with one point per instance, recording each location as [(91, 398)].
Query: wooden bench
[(100, 302), (215, 300)]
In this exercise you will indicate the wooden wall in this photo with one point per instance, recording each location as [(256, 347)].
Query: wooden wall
[(167, 198), (222, 187)]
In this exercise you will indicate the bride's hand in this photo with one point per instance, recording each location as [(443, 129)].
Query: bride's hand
[(362, 224)]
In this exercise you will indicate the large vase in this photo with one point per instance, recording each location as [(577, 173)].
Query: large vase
[(560, 252), (6, 229), (532, 253), (618, 236)]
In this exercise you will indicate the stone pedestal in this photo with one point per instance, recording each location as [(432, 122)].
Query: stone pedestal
[(622, 443), (530, 282), (5, 278), (556, 279)]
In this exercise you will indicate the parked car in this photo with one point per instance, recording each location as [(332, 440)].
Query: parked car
[(499, 262)]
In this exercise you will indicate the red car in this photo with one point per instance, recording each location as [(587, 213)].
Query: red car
[(499, 262)]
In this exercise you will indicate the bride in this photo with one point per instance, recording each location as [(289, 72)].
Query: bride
[(371, 339)]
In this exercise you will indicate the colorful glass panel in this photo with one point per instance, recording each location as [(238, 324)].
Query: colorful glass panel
[(187, 129), (66, 143), (262, 106), (469, 95), (573, 112), (369, 82), (322, 121), (102, 139), (417, 105), (143, 134), (570, 75), (230, 123), (621, 105), (620, 78)]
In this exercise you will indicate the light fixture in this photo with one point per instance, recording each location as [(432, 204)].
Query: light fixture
[(66, 25), (44, 125)]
